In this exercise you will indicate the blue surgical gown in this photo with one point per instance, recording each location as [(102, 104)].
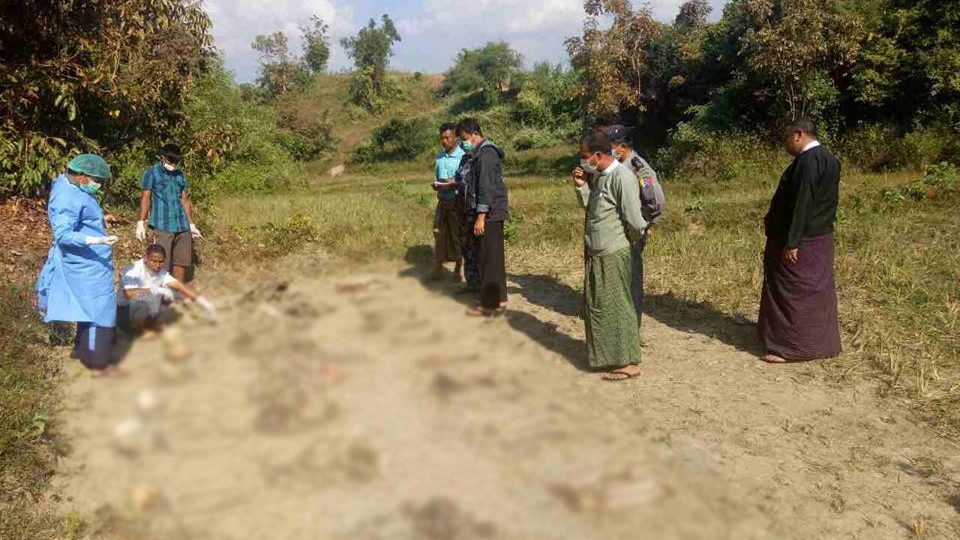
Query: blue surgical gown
[(76, 283)]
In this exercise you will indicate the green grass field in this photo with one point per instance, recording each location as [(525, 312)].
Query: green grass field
[(898, 259)]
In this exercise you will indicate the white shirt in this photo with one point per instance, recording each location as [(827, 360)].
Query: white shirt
[(138, 276), (811, 144)]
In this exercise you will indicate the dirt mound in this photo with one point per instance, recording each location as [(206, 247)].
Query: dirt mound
[(369, 407)]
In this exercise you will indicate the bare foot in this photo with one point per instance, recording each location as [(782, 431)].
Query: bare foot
[(112, 372), (623, 373), (773, 359), (478, 311)]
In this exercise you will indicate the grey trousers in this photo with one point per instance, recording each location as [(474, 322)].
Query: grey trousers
[(636, 274)]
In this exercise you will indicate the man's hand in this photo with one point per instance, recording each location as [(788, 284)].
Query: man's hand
[(791, 255), (579, 177), (480, 225), (110, 220), (141, 232), (194, 231)]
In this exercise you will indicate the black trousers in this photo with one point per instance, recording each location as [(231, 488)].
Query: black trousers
[(493, 270), (471, 253), (93, 345)]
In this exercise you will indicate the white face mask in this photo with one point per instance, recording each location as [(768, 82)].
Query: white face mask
[(587, 167), (169, 167)]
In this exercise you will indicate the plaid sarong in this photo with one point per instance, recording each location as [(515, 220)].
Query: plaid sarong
[(613, 335), (447, 224)]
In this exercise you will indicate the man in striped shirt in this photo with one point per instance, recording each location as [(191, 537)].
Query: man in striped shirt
[(165, 201)]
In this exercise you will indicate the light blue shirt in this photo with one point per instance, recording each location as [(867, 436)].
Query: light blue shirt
[(446, 169), (76, 283)]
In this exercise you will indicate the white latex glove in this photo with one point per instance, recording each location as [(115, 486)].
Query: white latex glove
[(207, 306), (108, 240), (141, 233), (194, 231), (163, 292)]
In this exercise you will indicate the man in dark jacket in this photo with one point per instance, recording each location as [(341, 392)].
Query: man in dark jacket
[(798, 305), (486, 198)]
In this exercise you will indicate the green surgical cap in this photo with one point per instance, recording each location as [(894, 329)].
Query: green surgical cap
[(90, 165)]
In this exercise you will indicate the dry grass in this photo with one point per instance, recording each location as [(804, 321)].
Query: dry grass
[(28, 402), (897, 264)]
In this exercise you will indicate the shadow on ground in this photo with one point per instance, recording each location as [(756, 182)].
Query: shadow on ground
[(420, 261), (684, 315)]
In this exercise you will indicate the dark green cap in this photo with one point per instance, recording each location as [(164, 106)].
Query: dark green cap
[(90, 165)]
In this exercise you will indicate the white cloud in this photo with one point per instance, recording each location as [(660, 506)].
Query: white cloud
[(535, 28), (433, 31), (237, 23)]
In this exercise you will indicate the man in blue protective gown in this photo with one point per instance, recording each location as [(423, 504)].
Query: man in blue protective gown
[(76, 283)]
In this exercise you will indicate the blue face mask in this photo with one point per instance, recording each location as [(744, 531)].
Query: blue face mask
[(467, 145), (92, 188)]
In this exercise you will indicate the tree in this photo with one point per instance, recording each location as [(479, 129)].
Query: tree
[(279, 73), (612, 63), (693, 14), (97, 75), (908, 66), (371, 50), (801, 50), (489, 68), (316, 45)]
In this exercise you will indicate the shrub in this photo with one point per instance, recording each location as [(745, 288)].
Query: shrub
[(717, 157), (871, 147), (273, 240), (397, 140), (938, 181), (304, 132), (923, 147)]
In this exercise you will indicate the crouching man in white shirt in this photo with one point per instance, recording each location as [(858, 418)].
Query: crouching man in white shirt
[(148, 290)]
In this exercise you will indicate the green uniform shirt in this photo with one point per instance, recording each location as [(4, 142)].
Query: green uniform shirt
[(614, 214)]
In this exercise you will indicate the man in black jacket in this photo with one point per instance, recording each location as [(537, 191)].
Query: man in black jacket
[(486, 199), (798, 305)]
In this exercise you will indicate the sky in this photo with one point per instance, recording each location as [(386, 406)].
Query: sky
[(432, 31)]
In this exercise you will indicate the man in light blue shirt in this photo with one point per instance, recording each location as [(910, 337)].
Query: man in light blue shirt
[(448, 218)]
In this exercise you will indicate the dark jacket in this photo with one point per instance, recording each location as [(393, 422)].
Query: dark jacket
[(805, 203), (485, 190)]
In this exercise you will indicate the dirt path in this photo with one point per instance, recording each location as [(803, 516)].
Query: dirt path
[(369, 407)]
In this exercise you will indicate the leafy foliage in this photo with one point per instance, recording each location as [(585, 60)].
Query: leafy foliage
[(489, 69), (370, 50), (397, 140), (846, 63), (612, 63), (316, 45), (279, 73), (92, 76)]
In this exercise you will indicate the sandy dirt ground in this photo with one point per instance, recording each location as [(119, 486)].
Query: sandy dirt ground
[(369, 407)]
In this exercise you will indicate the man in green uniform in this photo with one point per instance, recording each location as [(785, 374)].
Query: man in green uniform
[(614, 216)]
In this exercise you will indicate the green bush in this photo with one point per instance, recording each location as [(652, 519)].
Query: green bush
[(923, 147), (939, 180), (529, 138), (872, 147), (879, 147), (273, 240), (718, 157), (398, 140)]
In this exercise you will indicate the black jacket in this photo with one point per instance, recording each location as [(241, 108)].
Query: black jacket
[(485, 190), (805, 203)]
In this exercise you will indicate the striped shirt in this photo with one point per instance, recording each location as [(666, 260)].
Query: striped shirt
[(166, 208)]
